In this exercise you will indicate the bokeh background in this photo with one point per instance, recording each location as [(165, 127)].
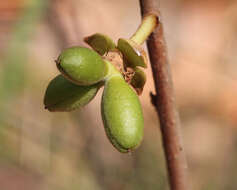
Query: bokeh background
[(40, 150)]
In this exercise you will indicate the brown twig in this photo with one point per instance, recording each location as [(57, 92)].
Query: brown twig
[(164, 102)]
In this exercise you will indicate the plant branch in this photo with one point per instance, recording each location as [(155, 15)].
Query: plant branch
[(164, 102)]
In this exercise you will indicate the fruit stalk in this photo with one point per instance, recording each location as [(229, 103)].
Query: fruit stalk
[(149, 22)]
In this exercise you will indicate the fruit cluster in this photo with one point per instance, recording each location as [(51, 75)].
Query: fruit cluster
[(84, 71)]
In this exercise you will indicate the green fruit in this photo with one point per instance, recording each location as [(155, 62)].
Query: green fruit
[(62, 95), (122, 114), (81, 65)]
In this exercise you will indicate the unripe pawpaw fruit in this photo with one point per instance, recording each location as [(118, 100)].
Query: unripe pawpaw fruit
[(81, 65), (62, 95), (122, 114)]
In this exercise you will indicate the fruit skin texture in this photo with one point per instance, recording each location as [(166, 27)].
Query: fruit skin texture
[(122, 114), (81, 65), (62, 95)]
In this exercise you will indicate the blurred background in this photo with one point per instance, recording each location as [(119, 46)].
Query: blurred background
[(40, 150)]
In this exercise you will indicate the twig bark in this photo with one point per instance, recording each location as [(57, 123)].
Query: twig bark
[(164, 102)]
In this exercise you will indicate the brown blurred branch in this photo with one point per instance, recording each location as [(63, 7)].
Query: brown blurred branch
[(164, 102)]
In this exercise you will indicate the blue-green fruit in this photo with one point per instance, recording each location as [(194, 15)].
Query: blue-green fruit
[(62, 95), (81, 65), (122, 114)]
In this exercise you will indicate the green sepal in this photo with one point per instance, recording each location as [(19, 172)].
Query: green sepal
[(133, 54), (61, 95), (100, 43), (138, 80)]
